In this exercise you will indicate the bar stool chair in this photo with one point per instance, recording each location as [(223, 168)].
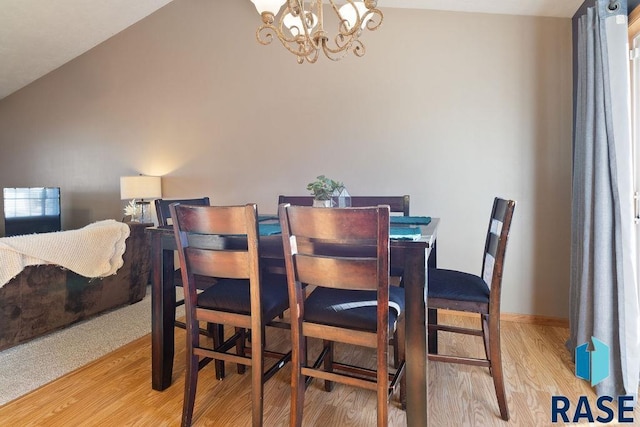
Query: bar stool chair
[(222, 242), (460, 291), (344, 254)]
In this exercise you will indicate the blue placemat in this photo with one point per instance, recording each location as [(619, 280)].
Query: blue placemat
[(422, 220), (267, 217), (405, 233), (269, 229)]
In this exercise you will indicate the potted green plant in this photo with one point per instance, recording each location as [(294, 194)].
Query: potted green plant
[(323, 189)]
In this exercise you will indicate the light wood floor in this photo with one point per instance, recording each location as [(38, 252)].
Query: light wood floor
[(116, 390)]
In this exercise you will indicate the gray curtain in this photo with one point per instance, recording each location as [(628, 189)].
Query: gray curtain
[(604, 293)]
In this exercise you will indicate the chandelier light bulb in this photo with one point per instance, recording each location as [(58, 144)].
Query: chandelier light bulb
[(271, 6)]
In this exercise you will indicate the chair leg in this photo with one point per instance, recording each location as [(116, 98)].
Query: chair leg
[(400, 343), (432, 319), (328, 364), (298, 383), (396, 352), (484, 320), (257, 375), (217, 332), (382, 387), (240, 347), (496, 364), (191, 382)]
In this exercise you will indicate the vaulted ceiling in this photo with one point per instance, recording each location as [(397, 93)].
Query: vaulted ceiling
[(39, 36)]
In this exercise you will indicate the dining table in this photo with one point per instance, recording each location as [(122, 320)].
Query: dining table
[(413, 247)]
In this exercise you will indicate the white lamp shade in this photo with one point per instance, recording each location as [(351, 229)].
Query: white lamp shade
[(294, 24), (272, 6), (348, 12), (140, 187)]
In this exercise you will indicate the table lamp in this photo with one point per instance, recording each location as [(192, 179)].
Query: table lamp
[(138, 188)]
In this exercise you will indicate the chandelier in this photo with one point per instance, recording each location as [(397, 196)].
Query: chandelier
[(300, 27)]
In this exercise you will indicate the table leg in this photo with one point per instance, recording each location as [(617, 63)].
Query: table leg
[(416, 336), (433, 313), (163, 299)]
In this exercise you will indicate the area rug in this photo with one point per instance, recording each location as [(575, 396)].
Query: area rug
[(25, 367)]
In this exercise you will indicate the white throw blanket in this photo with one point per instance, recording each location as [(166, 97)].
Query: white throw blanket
[(93, 251)]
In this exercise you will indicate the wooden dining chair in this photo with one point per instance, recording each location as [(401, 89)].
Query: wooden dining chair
[(163, 215), (460, 291), (344, 255), (222, 242)]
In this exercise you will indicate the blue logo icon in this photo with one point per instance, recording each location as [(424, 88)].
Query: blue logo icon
[(592, 365)]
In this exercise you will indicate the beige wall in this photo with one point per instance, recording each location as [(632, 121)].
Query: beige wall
[(450, 108)]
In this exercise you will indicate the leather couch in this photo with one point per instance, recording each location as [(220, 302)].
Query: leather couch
[(45, 298)]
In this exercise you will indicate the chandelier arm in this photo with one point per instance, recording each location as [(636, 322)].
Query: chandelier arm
[(358, 48), (343, 46), (313, 56), (376, 19), (343, 28), (266, 33), (296, 7), (334, 54), (301, 45), (342, 43)]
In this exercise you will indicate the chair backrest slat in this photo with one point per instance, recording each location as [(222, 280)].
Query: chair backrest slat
[(396, 203), (359, 224), (215, 263), (492, 245), (342, 273), (220, 220), (501, 207)]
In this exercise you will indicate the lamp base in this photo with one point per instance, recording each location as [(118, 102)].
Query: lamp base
[(143, 213)]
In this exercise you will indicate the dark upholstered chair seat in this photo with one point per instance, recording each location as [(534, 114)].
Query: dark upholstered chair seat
[(457, 285), (233, 295), (351, 309)]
